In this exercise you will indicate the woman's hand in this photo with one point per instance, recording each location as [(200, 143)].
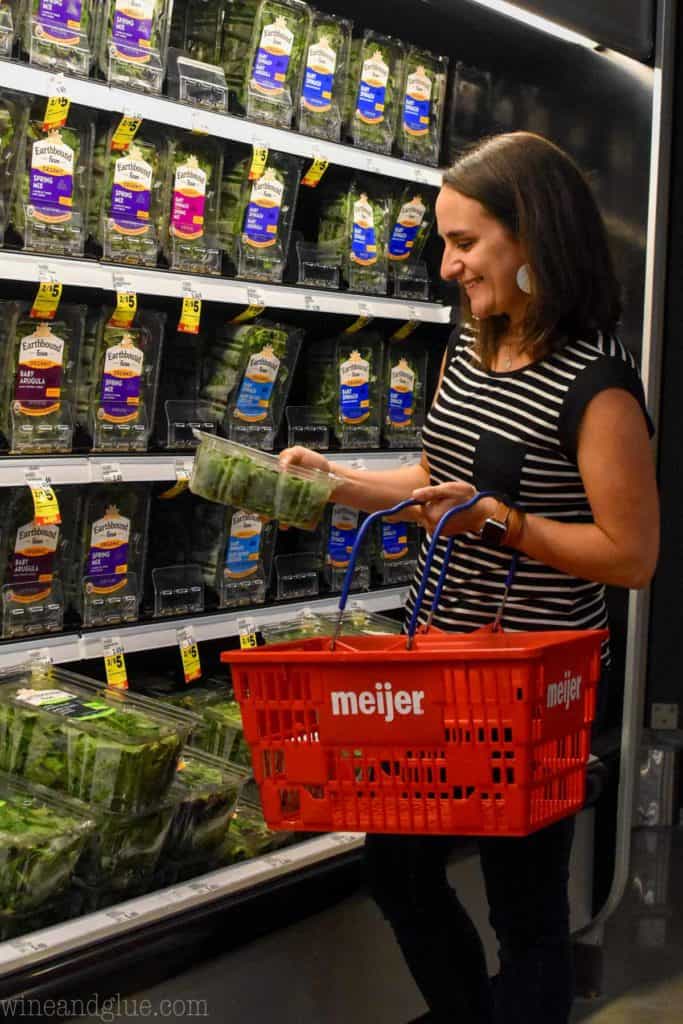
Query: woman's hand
[(300, 456), (439, 499)]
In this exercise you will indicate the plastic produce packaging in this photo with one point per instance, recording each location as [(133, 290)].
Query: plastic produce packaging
[(233, 474), (276, 60), (13, 122), (470, 109), (234, 550), (358, 361), (41, 838), (248, 835), (395, 551), (420, 123), (196, 82), (405, 370), (238, 27), (197, 167), (133, 42), (356, 218), (197, 29), (412, 217), (8, 25), (324, 78), (374, 91), (58, 36), (342, 524), (103, 746), (265, 211)]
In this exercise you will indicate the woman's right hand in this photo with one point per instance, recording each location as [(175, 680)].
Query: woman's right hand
[(300, 456)]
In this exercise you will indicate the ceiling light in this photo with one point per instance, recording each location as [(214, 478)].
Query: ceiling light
[(537, 21)]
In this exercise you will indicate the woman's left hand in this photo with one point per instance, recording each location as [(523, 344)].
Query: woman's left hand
[(439, 499)]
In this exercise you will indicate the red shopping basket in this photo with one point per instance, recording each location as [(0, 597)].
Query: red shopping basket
[(486, 733)]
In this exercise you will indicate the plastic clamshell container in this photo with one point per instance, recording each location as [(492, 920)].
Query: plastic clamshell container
[(42, 835), (104, 746), (219, 731), (63, 907), (208, 789), (248, 835), (233, 474)]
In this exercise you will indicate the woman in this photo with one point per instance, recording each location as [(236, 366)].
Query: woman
[(538, 401)]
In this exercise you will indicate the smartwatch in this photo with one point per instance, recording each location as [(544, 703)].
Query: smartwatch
[(495, 528)]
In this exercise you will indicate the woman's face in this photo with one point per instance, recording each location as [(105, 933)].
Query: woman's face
[(481, 255)]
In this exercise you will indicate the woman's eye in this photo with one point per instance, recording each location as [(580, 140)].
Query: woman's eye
[(464, 246)]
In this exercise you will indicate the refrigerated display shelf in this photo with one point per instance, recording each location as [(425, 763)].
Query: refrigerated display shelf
[(152, 635), (41, 946), (99, 96), (87, 273), (111, 468)]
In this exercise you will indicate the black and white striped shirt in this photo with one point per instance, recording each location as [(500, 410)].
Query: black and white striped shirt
[(516, 433)]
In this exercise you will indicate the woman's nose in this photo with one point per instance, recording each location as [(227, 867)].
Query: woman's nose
[(451, 268)]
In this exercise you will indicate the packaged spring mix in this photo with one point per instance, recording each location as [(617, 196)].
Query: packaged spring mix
[(13, 121), (276, 60), (373, 98), (105, 582), (265, 213), (8, 26), (50, 201), (196, 172), (423, 96), (33, 562), (234, 549), (133, 39), (106, 747), (37, 397), (59, 36), (405, 370), (42, 835), (324, 79), (129, 197)]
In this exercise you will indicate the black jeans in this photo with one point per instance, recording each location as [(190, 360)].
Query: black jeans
[(526, 885)]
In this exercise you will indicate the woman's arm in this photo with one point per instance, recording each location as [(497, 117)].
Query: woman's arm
[(614, 457)]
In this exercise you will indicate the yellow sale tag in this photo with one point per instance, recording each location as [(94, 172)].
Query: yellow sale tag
[(189, 653), (405, 330), (315, 172), (358, 325), (45, 504), (259, 159), (247, 314), (46, 301), (126, 308), (247, 641), (126, 131), (115, 663), (190, 315), (56, 112), (180, 485)]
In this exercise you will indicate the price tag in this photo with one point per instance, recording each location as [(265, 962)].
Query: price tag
[(358, 325), (127, 129), (315, 172), (126, 307), (247, 314), (405, 330), (372, 165), (115, 663), (45, 504), (111, 473), (56, 111), (311, 304), (247, 632), (29, 946), (46, 301), (204, 888), (122, 915), (182, 474), (259, 159), (199, 122), (420, 175), (189, 653), (191, 312), (256, 297)]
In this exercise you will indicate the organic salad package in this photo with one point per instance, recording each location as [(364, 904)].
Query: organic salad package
[(324, 79), (133, 38), (420, 123), (13, 121), (276, 60), (59, 36), (196, 172), (373, 99), (234, 549), (262, 218), (238, 26), (345, 382), (355, 218), (405, 368)]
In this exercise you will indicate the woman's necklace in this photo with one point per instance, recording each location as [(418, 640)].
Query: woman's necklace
[(508, 365)]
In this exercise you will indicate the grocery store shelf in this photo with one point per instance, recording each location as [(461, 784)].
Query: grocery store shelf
[(43, 945), (94, 469), (87, 273), (99, 96), (148, 636)]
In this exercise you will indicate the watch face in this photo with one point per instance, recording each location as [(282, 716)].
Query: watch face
[(493, 532)]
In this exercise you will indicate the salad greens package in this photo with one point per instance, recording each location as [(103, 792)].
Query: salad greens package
[(231, 209), (233, 474), (265, 212), (105, 576), (210, 788), (196, 82), (196, 167), (234, 549), (423, 92), (276, 60), (373, 97), (169, 547), (129, 197), (395, 552), (308, 623), (411, 219), (247, 371), (357, 218), (405, 372), (8, 25), (342, 524), (58, 36), (120, 376), (248, 835), (37, 396), (13, 121), (358, 385), (197, 29), (104, 746), (238, 27), (33, 562), (50, 204), (41, 838), (133, 42), (324, 78)]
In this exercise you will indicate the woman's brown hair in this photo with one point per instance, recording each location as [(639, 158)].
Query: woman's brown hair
[(538, 193)]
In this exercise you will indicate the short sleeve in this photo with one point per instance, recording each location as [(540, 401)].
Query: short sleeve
[(607, 371)]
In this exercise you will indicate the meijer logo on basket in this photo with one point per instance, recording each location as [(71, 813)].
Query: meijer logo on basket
[(383, 702), (566, 691)]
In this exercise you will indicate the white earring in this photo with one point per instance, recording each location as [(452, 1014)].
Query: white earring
[(524, 279)]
